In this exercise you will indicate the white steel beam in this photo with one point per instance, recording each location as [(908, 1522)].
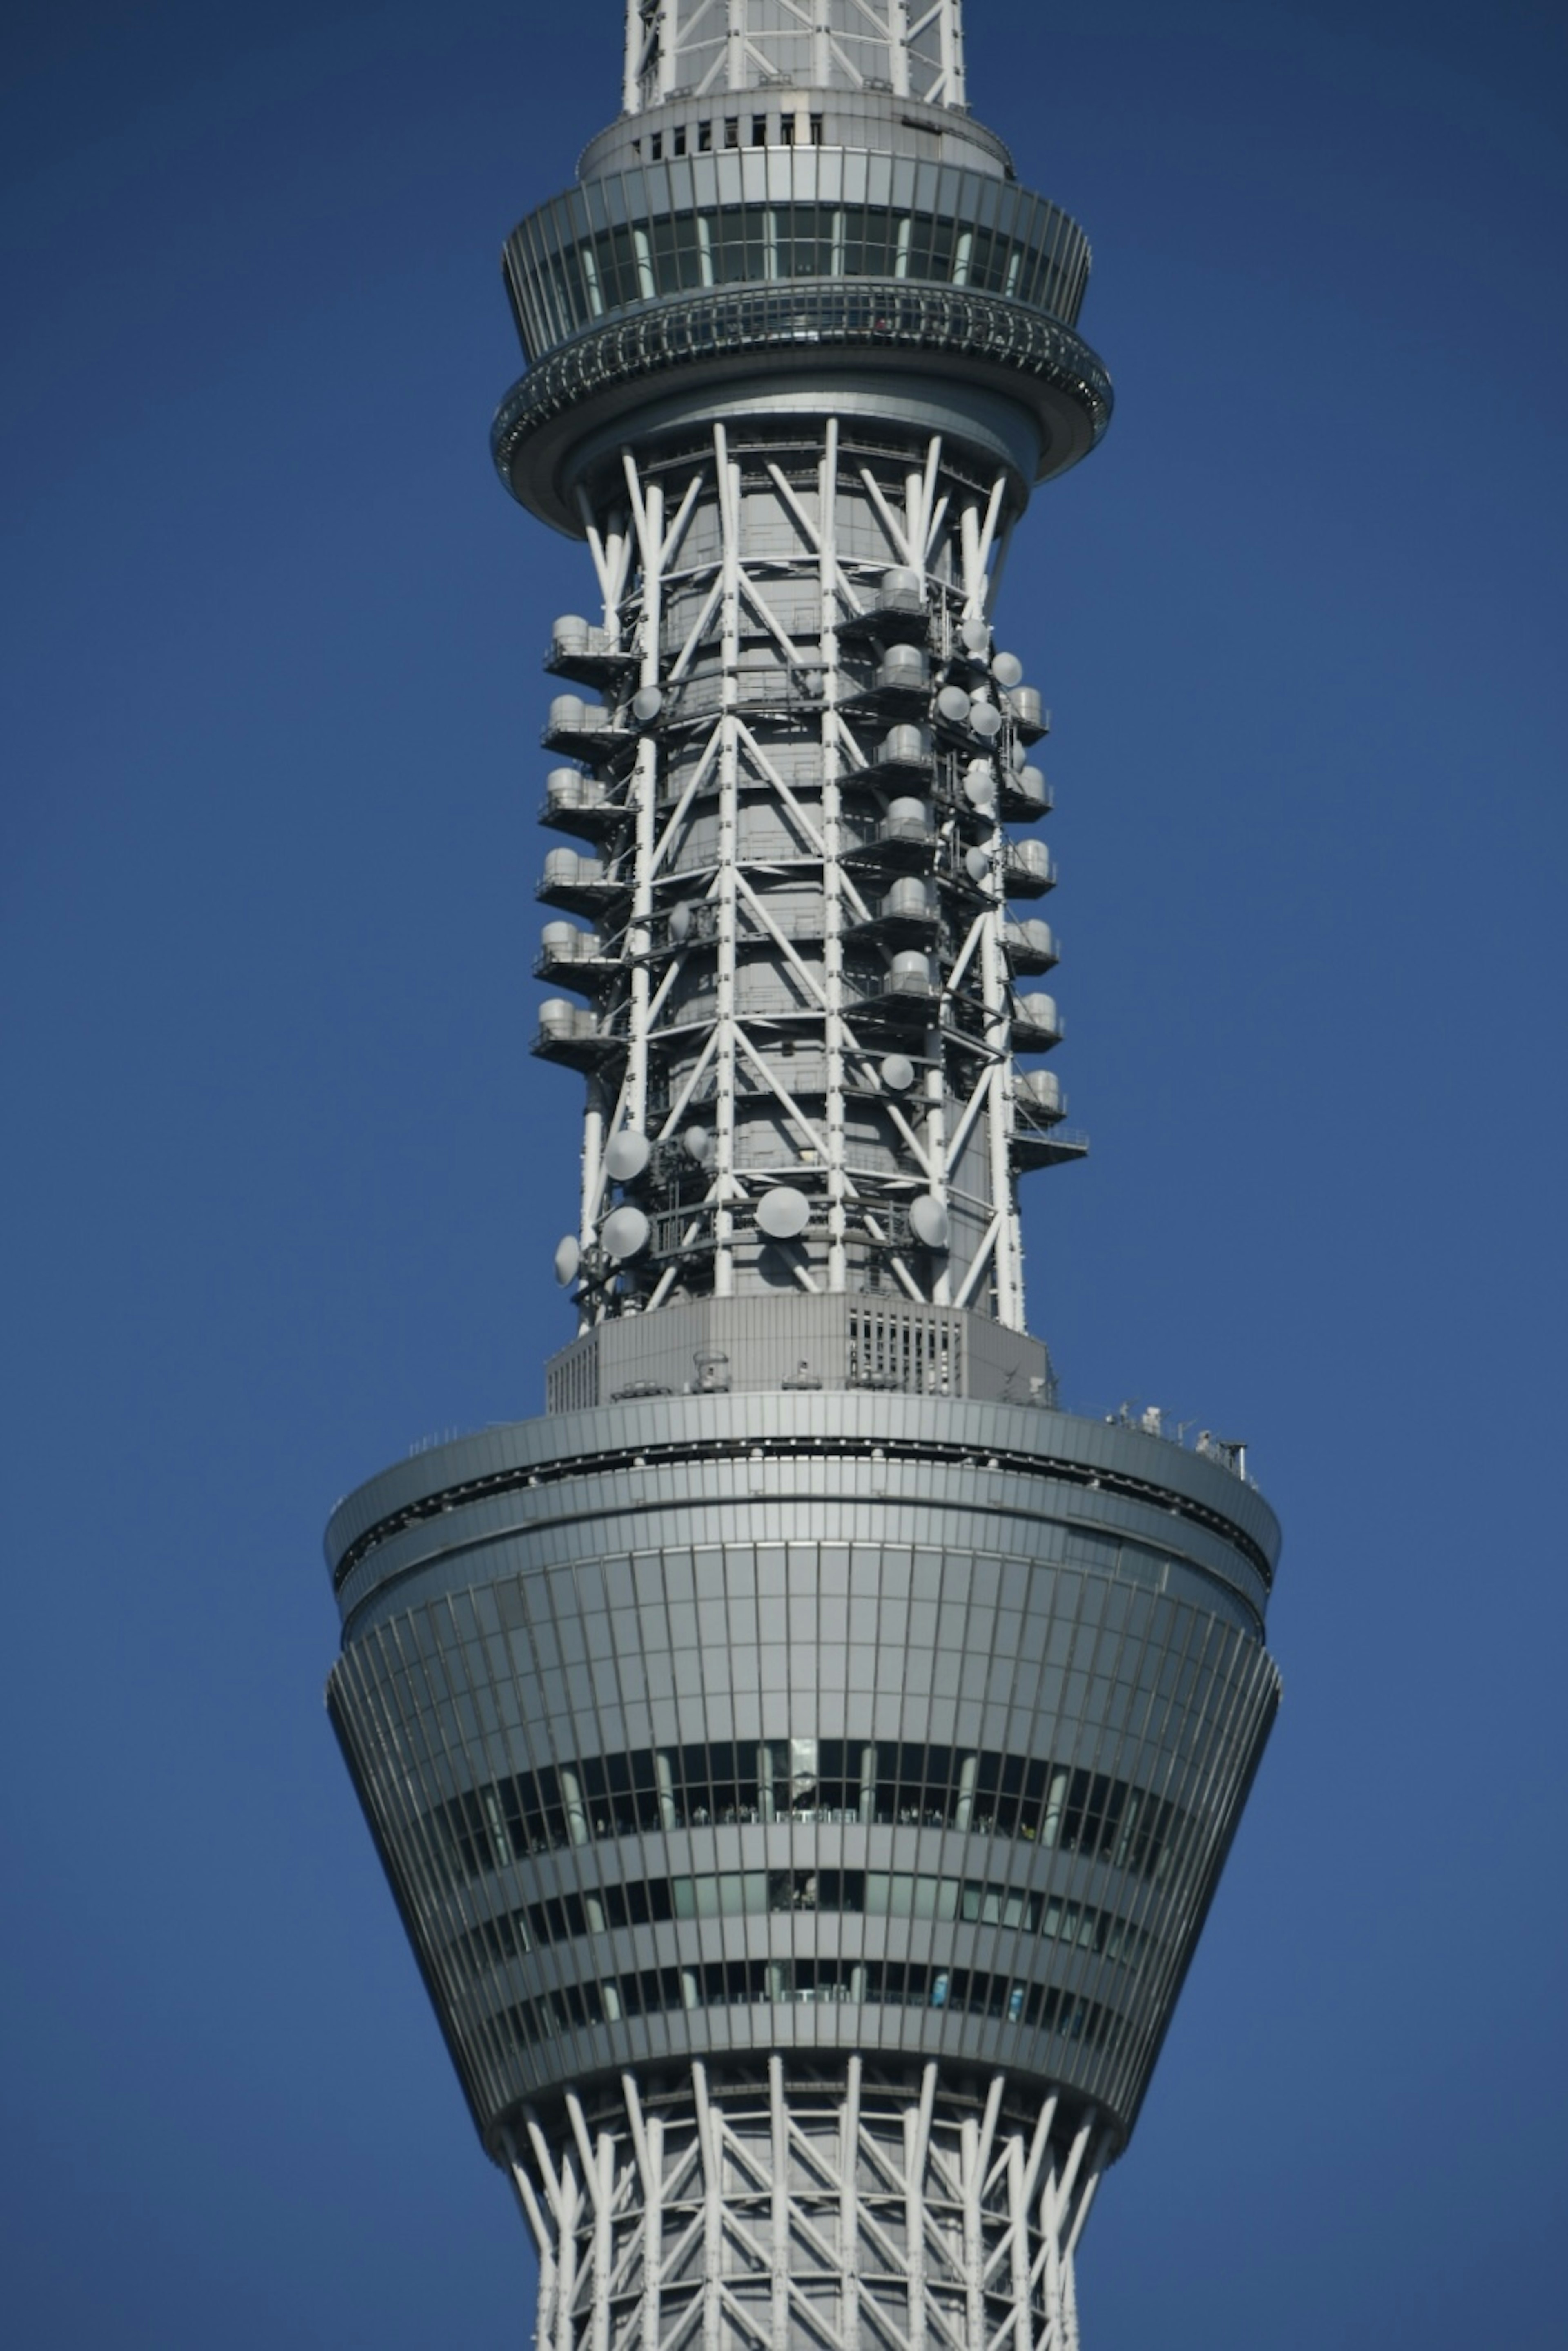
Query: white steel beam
[(914, 47), (735, 2217)]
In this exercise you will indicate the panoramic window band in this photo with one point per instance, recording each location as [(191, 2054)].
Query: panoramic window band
[(888, 1784), (828, 1893), (567, 273), (743, 1983)]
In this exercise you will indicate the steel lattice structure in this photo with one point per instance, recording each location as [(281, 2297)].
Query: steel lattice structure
[(804, 1758), (705, 47), (832, 2212), (864, 909)]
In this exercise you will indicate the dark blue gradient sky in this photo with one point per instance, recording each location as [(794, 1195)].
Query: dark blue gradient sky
[(281, 1182)]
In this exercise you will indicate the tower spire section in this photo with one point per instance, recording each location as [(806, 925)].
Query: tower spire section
[(702, 47), (803, 1758), (805, 931)]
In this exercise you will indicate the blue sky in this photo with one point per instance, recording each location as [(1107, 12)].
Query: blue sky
[(281, 1180)]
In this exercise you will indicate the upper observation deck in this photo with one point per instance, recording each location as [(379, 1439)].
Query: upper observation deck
[(795, 203), (874, 272), (773, 215)]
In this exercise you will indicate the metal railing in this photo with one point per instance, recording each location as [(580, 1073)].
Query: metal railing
[(881, 314)]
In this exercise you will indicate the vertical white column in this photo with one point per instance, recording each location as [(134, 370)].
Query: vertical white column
[(952, 54), (598, 2164), (821, 51), (647, 2145), (566, 2293), (917, 2145), (1050, 2230), (919, 502), (730, 508), (665, 1778), (592, 1171), (669, 46), (654, 2237), (994, 980), (1071, 2338), (713, 2214), (974, 2250), (734, 46), (832, 872), (576, 1811), (544, 2241), (631, 96), (849, 2210), (779, 2264), (976, 537), (648, 513), (1018, 2221), (609, 544), (898, 45)]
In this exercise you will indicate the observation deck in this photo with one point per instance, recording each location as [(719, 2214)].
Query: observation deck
[(804, 1685), (821, 271)]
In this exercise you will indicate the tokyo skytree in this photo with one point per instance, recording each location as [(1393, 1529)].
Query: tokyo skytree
[(803, 1758)]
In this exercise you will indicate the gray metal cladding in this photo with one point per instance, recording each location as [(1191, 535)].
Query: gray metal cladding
[(1053, 1948), (996, 1477)]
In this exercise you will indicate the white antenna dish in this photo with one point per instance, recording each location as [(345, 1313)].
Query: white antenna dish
[(626, 1155), (626, 1233), (783, 1214), (928, 1221)]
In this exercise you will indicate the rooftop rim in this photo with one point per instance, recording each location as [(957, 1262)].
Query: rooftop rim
[(1026, 1438), (872, 117)]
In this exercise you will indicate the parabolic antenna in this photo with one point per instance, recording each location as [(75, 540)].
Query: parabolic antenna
[(783, 1214), (928, 1222), (625, 1157), (625, 1233)]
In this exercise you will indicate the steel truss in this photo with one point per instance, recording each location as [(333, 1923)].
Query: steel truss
[(843, 2214), (700, 47), (714, 677)]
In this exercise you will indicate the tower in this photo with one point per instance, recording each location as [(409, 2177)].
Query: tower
[(804, 1757)]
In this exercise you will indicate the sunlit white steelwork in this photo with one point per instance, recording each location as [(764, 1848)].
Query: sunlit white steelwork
[(802, 873), (832, 2208), (702, 48), (805, 1757)]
